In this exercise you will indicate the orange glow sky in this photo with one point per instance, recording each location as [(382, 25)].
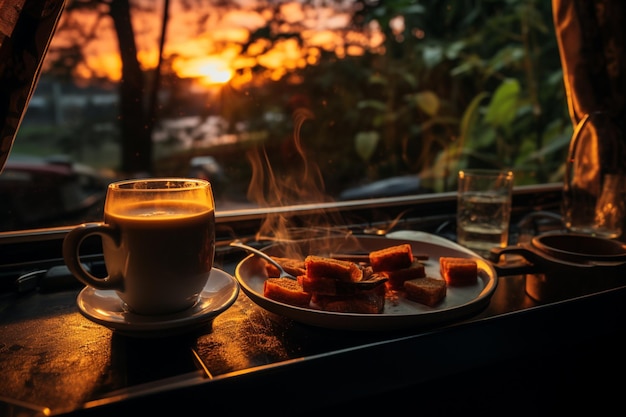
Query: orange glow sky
[(210, 50)]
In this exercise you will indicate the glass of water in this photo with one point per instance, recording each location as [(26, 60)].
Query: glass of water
[(484, 209)]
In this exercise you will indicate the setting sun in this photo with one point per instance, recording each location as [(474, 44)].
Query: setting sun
[(212, 50), (208, 70)]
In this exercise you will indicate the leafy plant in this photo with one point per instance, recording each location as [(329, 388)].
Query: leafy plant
[(486, 90)]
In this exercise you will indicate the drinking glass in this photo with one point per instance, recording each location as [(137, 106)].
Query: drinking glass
[(484, 209)]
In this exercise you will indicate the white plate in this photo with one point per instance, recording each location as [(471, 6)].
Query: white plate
[(106, 308), (398, 313)]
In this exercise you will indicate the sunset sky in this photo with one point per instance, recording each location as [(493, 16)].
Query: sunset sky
[(210, 48)]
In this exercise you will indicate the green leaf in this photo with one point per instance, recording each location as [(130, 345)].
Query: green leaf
[(485, 138), (469, 64), (503, 106), (371, 104), (365, 144), (428, 102), (470, 116), (432, 55), (409, 78), (504, 58), (378, 79), (454, 49)]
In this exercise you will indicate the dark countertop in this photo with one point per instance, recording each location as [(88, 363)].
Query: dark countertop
[(518, 350)]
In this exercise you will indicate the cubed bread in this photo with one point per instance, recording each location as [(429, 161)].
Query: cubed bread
[(321, 267), (391, 258), (365, 302), (458, 271), (294, 266), (427, 290), (331, 286), (398, 276), (286, 290)]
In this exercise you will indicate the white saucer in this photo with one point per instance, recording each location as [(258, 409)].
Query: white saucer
[(106, 308)]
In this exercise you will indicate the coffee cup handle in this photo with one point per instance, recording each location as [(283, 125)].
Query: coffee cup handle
[(71, 250)]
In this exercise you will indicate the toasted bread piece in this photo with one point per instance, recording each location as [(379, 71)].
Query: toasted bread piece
[(398, 276), (286, 291), (427, 290), (321, 267), (458, 271), (391, 258), (365, 302), (331, 286), (294, 266)]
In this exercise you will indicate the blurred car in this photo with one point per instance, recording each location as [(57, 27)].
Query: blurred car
[(389, 187), (47, 192)]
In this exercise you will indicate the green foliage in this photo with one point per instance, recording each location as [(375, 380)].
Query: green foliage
[(492, 75), (463, 84), (501, 111)]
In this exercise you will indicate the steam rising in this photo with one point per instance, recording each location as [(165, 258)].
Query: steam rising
[(296, 180)]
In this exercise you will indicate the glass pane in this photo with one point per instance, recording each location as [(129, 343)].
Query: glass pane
[(286, 102)]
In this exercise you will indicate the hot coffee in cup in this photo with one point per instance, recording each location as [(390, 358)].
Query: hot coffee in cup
[(158, 240)]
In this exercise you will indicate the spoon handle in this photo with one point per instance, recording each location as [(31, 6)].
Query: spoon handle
[(263, 255)]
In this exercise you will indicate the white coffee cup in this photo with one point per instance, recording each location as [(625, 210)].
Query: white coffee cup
[(158, 240)]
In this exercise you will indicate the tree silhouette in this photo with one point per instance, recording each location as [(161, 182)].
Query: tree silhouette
[(137, 100)]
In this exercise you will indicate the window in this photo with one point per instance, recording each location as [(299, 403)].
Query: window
[(283, 103)]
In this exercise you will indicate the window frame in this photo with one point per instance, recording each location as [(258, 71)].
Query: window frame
[(25, 251)]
